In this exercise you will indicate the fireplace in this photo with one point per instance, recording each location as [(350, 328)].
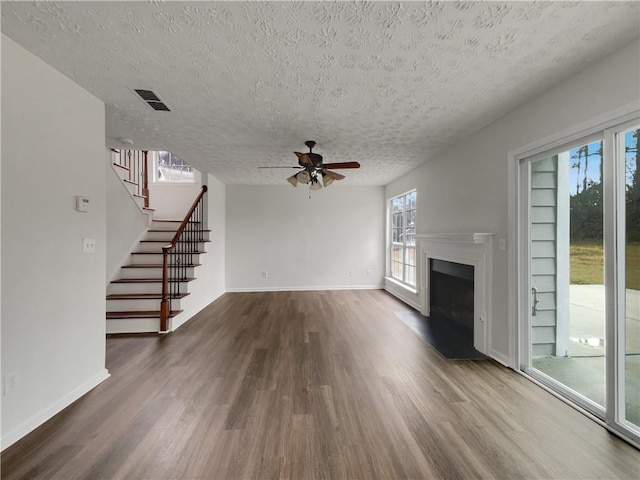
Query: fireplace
[(455, 272), (451, 296)]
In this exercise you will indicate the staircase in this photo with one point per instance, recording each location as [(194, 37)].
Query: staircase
[(131, 167), (151, 287), (133, 299)]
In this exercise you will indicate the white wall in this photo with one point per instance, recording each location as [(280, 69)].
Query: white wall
[(210, 283), (53, 297), (301, 242), (126, 222), (171, 201), (464, 188)]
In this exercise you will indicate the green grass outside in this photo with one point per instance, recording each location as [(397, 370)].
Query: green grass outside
[(587, 264)]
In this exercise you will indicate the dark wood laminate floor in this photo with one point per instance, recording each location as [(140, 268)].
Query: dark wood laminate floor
[(305, 385)]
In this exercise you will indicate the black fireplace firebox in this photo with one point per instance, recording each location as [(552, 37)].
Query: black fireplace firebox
[(451, 293)]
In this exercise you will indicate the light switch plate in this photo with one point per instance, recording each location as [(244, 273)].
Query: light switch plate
[(88, 245)]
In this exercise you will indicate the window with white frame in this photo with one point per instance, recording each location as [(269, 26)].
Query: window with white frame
[(402, 237), (169, 168)]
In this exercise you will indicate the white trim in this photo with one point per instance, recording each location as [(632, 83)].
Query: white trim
[(477, 238), (42, 416), (402, 292), (500, 357), (402, 285), (304, 289)]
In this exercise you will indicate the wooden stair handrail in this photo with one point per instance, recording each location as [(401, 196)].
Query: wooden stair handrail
[(165, 305), (184, 223)]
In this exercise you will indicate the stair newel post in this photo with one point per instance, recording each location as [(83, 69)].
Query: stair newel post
[(165, 305), (145, 178)]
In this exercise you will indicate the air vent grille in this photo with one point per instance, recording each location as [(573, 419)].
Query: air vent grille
[(159, 106), (152, 100)]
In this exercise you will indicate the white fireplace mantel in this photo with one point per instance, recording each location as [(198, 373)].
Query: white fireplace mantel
[(475, 249), (456, 237)]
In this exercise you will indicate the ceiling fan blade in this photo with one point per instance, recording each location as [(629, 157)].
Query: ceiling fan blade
[(280, 167), (342, 165), (334, 175), (303, 159)]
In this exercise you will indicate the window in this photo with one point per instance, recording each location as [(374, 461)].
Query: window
[(402, 236), (172, 169)]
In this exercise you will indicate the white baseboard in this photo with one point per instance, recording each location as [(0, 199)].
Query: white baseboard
[(39, 418), (305, 289), (500, 358)]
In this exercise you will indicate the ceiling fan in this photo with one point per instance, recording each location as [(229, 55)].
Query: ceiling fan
[(312, 169)]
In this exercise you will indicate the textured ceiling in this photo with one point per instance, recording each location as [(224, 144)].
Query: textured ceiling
[(384, 84)]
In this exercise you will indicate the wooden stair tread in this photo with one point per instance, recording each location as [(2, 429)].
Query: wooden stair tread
[(130, 181), (149, 280), (121, 166), (154, 265), (141, 296), (163, 230), (179, 241), (160, 253), (139, 196), (140, 314), (172, 221)]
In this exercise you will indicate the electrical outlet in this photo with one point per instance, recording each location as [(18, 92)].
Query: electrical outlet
[(10, 382), (369, 273), (502, 244), (352, 273), (265, 275), (88, 245)]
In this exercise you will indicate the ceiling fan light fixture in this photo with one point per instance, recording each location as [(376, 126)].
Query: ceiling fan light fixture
[(327, 180), (315, 184), (293, 180), (303, 177)]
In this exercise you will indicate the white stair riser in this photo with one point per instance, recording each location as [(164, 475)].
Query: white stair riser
[(168, 236), (160, 225), (131, 305), (156, 258), (149, 272), (133, 325), (157, 246), (155, 287)]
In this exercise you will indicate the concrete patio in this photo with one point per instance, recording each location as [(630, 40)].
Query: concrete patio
[(584, 369)]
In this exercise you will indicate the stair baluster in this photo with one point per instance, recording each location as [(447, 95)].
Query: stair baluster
[(177, 257)]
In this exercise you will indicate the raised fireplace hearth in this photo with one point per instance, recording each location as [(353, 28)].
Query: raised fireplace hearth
[(463, 261)]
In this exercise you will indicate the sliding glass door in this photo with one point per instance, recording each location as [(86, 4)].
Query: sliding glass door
[(579, 288)]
